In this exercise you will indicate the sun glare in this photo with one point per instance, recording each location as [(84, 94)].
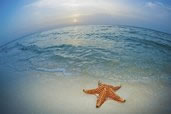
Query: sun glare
[(75, 17), (75, 20)]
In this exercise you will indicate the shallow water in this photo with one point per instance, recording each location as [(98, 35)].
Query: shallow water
[(45, 72)]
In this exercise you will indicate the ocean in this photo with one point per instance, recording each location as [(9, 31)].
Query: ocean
[(45, 72)]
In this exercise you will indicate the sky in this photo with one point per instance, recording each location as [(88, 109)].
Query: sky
[(22, 17)]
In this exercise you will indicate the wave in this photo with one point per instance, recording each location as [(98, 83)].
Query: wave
[(106, 51)]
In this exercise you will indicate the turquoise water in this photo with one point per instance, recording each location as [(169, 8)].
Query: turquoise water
[(44, 73), (113, 52)]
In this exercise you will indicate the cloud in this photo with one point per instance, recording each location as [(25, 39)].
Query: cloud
[(158, 5), (84, 7), (66, 11), (53, 11)]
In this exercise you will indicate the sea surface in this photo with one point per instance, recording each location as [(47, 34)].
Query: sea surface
[(42, 72)]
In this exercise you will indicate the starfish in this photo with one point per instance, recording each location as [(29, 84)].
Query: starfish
[(104, 92)]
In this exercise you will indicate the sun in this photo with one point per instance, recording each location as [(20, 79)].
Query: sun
[(75, 20), (75, 17)]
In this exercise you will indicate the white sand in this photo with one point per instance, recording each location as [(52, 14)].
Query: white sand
[(57, 94)]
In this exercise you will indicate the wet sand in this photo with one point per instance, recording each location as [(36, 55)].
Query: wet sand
[(58, 94)]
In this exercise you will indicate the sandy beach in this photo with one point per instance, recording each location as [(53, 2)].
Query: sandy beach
[(58, 94)]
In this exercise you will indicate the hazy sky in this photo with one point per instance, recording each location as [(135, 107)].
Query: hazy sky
[(20, 17)]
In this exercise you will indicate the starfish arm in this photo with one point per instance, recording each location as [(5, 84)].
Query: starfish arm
[(115, 88), (99, 83), (115, 97), (94, 91), (91, 91), (101, 98)]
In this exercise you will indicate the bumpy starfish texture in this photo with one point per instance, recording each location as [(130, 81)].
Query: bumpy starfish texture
[(105, 91)]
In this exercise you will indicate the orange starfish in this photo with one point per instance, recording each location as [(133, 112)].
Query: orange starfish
[(105, 91)]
